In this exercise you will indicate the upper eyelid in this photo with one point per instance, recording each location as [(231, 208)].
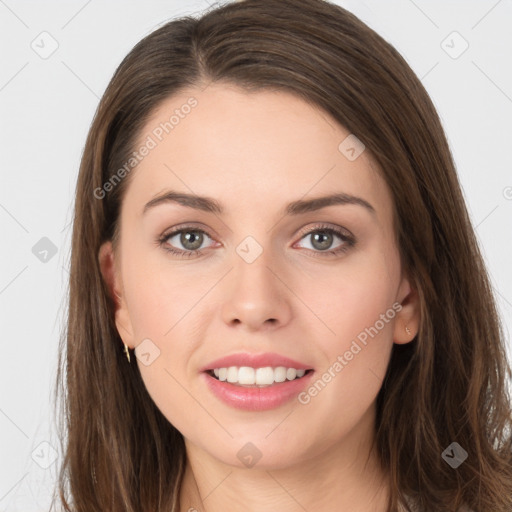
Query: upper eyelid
[(323, 226)]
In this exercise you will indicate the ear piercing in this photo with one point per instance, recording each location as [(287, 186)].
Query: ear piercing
[(126, 351), (407, 330)]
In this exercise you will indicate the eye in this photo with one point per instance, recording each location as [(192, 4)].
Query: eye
[(322, 238), (190, 238)]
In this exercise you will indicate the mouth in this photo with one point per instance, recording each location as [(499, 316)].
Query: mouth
[(263, 377)]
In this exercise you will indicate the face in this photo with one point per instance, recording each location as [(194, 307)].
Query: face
[(258, 273)]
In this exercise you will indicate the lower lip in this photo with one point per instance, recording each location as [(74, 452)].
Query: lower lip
[(257, 399)]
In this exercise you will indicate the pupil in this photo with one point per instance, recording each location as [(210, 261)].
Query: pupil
[(187, 236), (327, 240)]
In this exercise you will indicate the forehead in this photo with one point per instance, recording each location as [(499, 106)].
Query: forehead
[(250, 150)]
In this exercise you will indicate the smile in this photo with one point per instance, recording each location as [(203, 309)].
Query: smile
[(256, 377), (256, 397)]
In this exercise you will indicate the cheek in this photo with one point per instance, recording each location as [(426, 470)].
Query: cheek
[(169, 305), (355, 304), (163, 304), (161, 293), (353, 296)]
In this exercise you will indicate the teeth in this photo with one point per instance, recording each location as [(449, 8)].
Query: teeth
[(247, 376), (291, 373), (265, 376), (232, 374), (280, 374)]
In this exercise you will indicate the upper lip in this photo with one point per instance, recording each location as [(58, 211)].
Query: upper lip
[(255, 361)]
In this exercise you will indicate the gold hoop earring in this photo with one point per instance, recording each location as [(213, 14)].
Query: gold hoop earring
[(127, 351)]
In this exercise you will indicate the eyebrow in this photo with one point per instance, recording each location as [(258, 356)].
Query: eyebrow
[(298, 207)]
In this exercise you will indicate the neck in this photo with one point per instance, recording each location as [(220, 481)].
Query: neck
[(347, 476)]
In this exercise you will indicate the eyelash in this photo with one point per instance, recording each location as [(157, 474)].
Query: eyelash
[(349, 241)]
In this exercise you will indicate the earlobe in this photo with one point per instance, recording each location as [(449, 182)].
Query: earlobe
[(111, 277), (407, 320)]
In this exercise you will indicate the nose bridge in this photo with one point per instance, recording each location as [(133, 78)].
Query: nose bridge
[(255, 294), (253, 262)]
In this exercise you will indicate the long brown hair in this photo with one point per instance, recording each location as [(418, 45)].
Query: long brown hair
[(448, 385)]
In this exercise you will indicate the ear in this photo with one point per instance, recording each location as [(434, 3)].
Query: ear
[(112, 277), (408, 317)]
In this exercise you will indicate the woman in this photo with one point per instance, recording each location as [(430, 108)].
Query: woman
[(277, 300)]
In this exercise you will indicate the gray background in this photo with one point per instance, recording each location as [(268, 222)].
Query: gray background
[(47, 104)]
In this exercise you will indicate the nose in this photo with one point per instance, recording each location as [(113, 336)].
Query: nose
[(255, 295)]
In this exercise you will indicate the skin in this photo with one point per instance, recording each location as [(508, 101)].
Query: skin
[(255, 153)]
